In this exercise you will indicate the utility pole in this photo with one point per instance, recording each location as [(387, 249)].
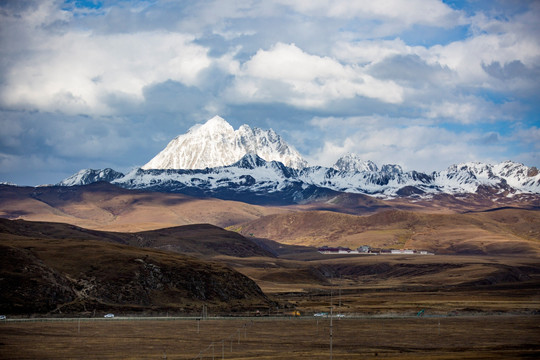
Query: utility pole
[(339, 293), (331, 316)]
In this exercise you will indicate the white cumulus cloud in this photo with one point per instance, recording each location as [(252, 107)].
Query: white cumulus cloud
[(77, 71), (285, 73), (402, 11)]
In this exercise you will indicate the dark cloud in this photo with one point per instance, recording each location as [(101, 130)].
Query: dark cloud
[(492, 138), (411, 70), (16, 8), (512, 70), (174, 97), (37, 143)]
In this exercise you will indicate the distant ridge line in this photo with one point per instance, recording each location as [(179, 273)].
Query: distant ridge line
[(525, 207)]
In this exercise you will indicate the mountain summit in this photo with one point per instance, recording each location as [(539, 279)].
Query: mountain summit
[(216, 143), (353, 162)]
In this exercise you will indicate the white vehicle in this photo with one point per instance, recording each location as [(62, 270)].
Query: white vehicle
[(320, 314), (109, 316), (3, 317), (340, 315)]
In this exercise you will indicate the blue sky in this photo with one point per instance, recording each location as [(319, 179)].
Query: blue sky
[(420, 83)]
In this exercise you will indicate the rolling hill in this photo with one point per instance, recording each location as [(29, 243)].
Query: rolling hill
[(447, 224), (61, 269), (501, 231), (103, 206), (199, 240), (57, 268)]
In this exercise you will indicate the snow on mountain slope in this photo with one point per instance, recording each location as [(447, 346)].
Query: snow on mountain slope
[(254, 180), (385, 182), (255, 175), (518, 175), (88, 176), (216, 143), (251, 179), (251, 171), (507, 175), (353, 162)]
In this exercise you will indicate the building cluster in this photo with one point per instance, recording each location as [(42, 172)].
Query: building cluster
[(366, 249)]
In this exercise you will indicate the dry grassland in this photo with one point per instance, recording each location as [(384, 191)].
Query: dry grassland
[(401, 284), (110, 208), (505, 231), (493, 337)]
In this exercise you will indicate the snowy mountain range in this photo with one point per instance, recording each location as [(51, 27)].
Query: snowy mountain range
[(258, 166)]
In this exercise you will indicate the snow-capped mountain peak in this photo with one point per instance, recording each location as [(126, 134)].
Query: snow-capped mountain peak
[(392, 169), (353, 162), (216, 143), (215, 126)]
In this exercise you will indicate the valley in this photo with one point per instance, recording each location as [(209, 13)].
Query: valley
[(91, 270), (401, 285), (471, 306)]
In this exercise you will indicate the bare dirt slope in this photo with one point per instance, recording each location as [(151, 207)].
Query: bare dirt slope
[(103, 206), (484, 199)]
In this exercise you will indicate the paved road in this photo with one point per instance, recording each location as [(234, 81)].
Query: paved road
[(192, 318)]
